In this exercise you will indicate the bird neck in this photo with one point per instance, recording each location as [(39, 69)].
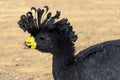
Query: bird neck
[(62, 62)]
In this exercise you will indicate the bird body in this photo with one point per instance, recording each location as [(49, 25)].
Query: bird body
[(98, 62)]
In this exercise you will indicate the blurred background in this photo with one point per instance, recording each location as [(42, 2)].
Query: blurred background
[(94, 21)]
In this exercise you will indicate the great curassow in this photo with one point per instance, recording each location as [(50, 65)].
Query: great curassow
[(49, 34)]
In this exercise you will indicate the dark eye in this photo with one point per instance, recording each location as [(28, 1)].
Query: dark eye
[(42, 38)]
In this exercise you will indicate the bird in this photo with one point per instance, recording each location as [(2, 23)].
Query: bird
[(49, 33)]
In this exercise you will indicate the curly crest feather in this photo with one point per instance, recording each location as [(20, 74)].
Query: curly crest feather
[(35, 24)]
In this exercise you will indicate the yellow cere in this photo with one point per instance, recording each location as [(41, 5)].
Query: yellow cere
[(31, 42)]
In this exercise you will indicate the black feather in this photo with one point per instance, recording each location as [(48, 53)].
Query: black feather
[(47, 8), (57, 15), (34, 23), (39, 16)]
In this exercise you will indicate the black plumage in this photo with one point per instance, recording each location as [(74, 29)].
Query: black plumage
[(98, 62)]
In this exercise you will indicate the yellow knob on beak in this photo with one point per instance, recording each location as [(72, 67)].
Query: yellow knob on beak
[(30, 42)]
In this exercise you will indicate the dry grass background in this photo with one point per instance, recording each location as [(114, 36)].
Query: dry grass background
[(94, 21)]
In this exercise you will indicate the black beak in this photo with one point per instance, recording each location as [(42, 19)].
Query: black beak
[(26, 46)]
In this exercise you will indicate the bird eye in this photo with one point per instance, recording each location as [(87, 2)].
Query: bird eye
[(42, 38)]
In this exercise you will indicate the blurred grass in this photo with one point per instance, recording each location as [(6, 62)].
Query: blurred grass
[(94, 21)]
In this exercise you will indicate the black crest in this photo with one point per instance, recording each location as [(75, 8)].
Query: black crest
[(43, 20)]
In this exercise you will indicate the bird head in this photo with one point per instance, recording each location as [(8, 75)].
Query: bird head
[(46, 31)]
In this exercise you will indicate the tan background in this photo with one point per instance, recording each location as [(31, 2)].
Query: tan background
[(94, 21)]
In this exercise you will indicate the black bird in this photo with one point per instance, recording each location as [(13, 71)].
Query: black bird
[(54, 35)]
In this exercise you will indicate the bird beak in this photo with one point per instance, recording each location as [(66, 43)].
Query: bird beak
[(30, 43), (25, 45)]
